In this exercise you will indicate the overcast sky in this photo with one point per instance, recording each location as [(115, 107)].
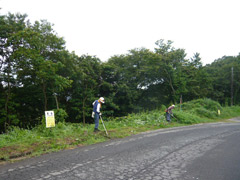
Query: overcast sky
[(110, 27)]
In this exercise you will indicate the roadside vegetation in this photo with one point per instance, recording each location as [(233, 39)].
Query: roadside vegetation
[(38, 74), (19, 143)]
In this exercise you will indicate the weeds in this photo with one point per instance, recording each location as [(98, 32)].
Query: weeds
[(22, 142)]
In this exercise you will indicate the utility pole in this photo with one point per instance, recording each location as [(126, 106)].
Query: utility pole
[(232, 89), (181, 103)]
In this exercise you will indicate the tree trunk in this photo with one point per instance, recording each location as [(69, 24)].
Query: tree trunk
[(45, 95), (7, 121), (83, 112), (55, 96), (83, 107), (169, 79)]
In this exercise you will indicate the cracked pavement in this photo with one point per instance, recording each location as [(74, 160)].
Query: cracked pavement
[(165, 154)]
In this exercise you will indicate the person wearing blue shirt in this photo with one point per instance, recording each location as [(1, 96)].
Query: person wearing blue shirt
[(97, 104)]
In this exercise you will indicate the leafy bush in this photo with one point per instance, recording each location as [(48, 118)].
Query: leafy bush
[(187, 118), (202, 103), (163, 107), (203, 108), (145, 118), (230, 111), (60, 115), (41, 139), (202, 112)]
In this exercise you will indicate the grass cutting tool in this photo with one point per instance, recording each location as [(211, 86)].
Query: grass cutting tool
[(104, 126)]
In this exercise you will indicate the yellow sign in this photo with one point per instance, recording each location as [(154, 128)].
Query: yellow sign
[(50, 119)]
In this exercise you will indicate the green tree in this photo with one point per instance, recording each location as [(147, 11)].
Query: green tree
[(31, 56), (220, 72), (197, 81), (171, 63), (126, 79), (9, 26), (85, 87)]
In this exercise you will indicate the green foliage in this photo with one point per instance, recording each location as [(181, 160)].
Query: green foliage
[(163, 108), (203, 112), (208, 104), (41, 139), (230, 111), (85, 87), (197, 111), (187, 118), (38, 73), (16, 134), (30, 58), (60, 115), (220, 72), (145, 118)]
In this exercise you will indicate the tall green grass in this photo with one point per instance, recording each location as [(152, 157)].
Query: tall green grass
[(39, 140), (204, 110)]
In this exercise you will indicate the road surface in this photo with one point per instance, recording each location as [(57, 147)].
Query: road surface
[(205, 151)]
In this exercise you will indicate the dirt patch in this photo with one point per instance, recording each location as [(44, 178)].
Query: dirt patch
[(15, 151)]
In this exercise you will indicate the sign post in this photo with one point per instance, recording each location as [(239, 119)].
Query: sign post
[(181, 103), (50, 119)]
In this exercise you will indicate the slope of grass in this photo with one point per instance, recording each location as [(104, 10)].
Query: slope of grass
[(21, 142)]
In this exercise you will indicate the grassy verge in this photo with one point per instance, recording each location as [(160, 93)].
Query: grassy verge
[(18, 143)]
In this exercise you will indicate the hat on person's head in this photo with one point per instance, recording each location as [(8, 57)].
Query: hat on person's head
[(101, 100), (173, 105)]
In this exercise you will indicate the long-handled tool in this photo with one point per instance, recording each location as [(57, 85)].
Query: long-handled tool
[(104, 126), (175, 117)]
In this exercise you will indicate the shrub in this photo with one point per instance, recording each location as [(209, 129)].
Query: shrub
[(163, 108), (202, 103), (187, 118), (202, 112), (60, 115)]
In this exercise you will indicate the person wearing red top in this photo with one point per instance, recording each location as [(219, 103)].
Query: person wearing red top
[(169, 112)]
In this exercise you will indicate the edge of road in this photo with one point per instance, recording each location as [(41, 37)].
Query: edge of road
[(161, 130)]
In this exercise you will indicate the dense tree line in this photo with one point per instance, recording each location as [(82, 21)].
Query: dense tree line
[(38, 74)]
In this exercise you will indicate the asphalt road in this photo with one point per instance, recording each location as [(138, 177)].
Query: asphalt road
[(207, 152)]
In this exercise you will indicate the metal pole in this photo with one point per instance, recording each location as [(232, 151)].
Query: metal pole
[(232, 89), (181, 103), (104, 126)]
